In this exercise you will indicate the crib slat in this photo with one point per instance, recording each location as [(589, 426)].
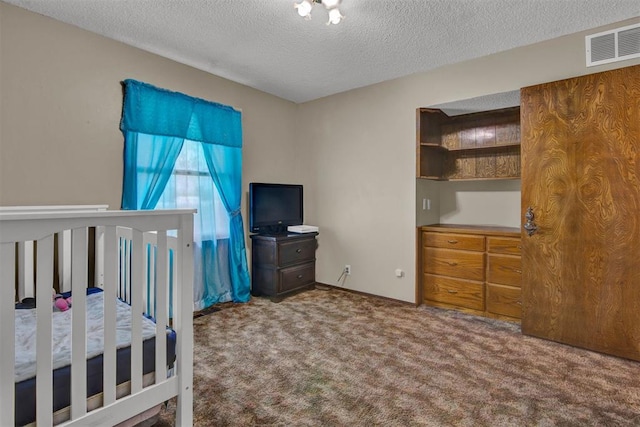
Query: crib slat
[(161, 289), (7, 332), (44, 361), (148, 300), (138, 282), (149, 243), (99, 257), (79, 238), (172, 244), (64, 260), (110, 282), (25, 270), (123, 252)]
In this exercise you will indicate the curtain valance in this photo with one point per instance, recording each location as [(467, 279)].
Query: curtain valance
[(151, 110)]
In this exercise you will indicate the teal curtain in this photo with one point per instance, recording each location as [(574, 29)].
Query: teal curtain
[(148, 163), (224, 165), (156, 123)]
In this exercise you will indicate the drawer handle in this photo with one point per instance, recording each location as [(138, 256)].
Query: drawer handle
[(451, 291), (517, 270), (453, 242), (298, 250), (519, 246), (300, 276), (451, 263), (519, 302)]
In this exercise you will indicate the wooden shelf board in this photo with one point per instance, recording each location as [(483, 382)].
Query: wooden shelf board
[(432, 145), (485, 147), (491, 178), (438, 178), (435, 178)]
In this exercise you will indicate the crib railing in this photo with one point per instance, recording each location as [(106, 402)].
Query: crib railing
[(150, 244), (155, 260), (25, 258), (25, 286)]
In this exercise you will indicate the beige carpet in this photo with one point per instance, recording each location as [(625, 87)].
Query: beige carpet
[(334, 358)]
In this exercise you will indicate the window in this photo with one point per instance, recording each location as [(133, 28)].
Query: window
[(191, 186), (185, 152)]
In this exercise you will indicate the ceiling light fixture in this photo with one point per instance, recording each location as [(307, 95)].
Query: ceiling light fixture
[(305, 6)]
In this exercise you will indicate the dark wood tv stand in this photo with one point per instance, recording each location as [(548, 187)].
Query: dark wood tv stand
[(282, 263)]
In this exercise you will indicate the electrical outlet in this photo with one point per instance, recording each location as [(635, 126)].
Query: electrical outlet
[(347, 270)]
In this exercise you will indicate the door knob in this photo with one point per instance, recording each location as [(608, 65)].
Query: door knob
[(529, 225)]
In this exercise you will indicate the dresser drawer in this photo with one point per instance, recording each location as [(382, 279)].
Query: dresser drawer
[(504, 245), (296, 277), (504, 300), (296, 251), (462, 293), (453, 241), (459, 264), (504, 269)]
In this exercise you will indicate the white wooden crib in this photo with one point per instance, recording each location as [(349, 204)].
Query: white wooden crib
[(158, 255)]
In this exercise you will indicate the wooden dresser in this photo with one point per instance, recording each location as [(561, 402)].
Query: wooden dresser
[(281, 264), (475, 269)]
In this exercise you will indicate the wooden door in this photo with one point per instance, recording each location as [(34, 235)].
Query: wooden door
[(581, 177)]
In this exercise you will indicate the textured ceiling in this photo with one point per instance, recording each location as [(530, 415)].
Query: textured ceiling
[(266, 45)]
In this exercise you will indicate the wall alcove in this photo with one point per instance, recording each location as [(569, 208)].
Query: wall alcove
[(461, 197)]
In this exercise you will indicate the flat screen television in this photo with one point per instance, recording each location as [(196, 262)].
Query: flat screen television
[(273, 207)]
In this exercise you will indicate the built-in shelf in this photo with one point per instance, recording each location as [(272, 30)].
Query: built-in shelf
[(480, 146)]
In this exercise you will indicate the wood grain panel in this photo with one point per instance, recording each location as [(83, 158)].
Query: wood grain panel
[(468, 135), (466, 165), (463, 293), (453, 241), (485, 164), (428, 125), (508, 129), (581, 176), (449, 262), (504, 300), (508, 163), (504, 245), (451, 136), (486, 131), (431, 162), (504, 269)]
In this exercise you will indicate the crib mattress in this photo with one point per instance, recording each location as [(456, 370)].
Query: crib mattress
[(25, 354)]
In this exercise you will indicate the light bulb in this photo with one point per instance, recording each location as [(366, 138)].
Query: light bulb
[(334, 16), (330, 4), (304, 8)]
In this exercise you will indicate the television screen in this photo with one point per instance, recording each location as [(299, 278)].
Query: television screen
[(273, 207)]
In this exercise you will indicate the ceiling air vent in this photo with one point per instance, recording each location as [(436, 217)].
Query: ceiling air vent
[(613, 45)]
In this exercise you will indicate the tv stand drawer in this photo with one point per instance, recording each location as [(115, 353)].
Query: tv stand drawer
[(296, 251), (296, 277)]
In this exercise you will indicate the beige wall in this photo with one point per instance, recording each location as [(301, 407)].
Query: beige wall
[(60, 105), (360, 148)]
